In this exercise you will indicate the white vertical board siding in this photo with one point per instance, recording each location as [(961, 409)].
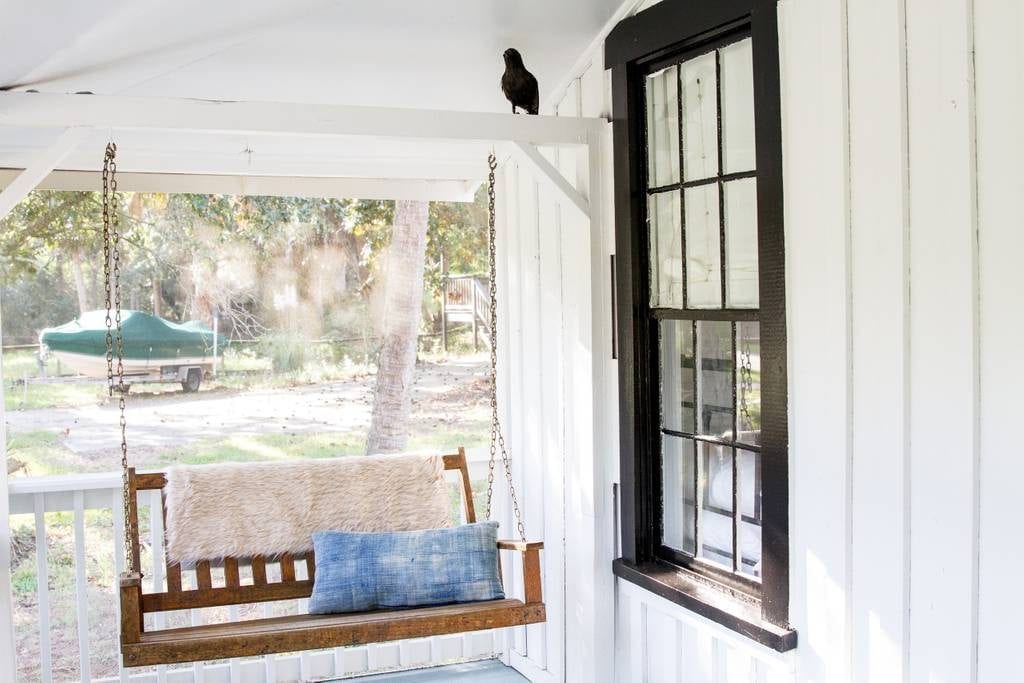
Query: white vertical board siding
[(999, 64), (667, 644), (943, 326), (815, 167), (879, 339), (902, 159), (557, 320)]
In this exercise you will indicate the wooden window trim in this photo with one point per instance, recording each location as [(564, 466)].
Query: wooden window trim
[(662, 32)]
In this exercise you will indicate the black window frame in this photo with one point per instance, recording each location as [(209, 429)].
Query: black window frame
[(669, 32)]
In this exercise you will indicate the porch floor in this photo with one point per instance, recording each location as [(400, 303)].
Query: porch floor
[(486, 671)]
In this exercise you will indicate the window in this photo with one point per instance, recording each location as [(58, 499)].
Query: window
[(702, 256), (701, 313)]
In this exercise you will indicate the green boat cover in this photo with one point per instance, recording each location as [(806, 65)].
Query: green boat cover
[(146, 337)]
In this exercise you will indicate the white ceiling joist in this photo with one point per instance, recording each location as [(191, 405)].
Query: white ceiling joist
[(28, 179), (271, 186), (278, 118)]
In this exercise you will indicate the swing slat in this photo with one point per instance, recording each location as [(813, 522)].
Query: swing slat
[(289, 634), (287, 567), (231, 579), (259, 571)]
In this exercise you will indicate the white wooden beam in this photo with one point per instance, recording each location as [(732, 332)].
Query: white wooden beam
[(47, 160), (116, 112), (272, 186), (551, 177)]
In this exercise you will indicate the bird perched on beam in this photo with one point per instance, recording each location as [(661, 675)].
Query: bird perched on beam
[(519, 85)]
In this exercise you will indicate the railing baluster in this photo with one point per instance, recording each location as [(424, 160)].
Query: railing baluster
[(115, 509), (156, 543), (302, 604), (43, 591), (198, 672), (234, 665), (269, 663), (81, 589)]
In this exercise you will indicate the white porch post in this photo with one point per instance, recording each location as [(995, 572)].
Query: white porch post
[(7, 663), (18, 188)]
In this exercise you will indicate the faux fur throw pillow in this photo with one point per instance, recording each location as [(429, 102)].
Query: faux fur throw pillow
[(241, 510)]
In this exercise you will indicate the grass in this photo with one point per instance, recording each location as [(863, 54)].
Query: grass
[(277, 447), (241, 368), (41, 453)]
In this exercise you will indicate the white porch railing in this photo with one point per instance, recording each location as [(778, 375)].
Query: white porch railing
[(76, 494)]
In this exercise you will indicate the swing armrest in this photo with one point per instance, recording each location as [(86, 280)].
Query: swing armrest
[(531, 567), (521, 546), (131, 607)]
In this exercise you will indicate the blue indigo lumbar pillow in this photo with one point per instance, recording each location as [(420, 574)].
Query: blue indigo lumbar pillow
[(359, 572)]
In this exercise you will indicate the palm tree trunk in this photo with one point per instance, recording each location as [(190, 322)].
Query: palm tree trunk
[(403, 304), (79, 279), (156, 296)]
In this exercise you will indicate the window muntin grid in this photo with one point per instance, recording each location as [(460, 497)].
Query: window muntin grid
[(703, 258)]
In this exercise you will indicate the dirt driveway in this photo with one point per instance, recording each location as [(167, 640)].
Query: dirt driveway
[(160, 422)]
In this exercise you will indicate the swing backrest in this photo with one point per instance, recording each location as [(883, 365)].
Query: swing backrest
[(213, 590)]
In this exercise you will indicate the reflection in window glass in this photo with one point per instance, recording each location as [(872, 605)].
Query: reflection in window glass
[(714, 378), (677, 381), (700, 118), (741, 243), (662, 90), (703, 249), (748, 382), (666, 250), (677, 493), (703, 233), (749, 485), (737, 83), (715, 479)]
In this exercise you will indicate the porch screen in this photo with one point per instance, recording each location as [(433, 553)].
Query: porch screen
[(703, 300)]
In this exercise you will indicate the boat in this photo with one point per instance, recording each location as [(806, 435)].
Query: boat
[(155, 349)]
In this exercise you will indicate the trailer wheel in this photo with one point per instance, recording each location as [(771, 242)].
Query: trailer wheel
[(192, 381)]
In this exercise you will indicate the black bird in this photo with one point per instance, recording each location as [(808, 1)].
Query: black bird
[(519, 85)]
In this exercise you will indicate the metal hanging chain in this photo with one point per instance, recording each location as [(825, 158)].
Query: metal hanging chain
[(497, 437), (115, 340), (746, 386)]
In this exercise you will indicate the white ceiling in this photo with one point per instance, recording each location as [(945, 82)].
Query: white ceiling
[(433, 54)]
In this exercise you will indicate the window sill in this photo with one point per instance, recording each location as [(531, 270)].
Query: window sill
[(701, 597)]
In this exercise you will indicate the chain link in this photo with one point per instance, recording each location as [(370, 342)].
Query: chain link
[(115, 340), (746, 386), (497, 437)]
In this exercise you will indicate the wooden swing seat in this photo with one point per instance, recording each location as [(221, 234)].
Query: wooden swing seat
[(141, 647)]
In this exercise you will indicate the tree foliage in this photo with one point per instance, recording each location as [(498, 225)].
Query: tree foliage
[(290, 264)]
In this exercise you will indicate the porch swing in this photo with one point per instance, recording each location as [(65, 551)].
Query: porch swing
[(143, 647)]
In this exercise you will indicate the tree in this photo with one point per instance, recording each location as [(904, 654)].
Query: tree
[(402, 311)]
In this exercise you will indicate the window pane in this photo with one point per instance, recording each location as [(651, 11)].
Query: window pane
[(750, 509), (715, 463), (748, 382), (714, 379), (703, 249), (737, 107), (666, 250), (663, 127), (677, 493), (741, 243), (700, 118), (677, 382)]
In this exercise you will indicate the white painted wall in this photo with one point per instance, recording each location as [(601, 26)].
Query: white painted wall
[(902, 151)]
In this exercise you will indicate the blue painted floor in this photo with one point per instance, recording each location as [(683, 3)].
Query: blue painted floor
[(487, 671)]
